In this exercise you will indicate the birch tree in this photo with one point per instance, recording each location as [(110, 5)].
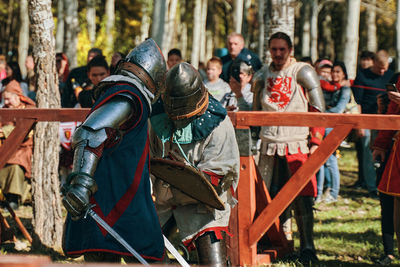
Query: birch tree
[(372, 42), (279, 18), (183, 30), (169, 29), (238, 15), (351, 44), (203, 30), (196, 34), (146, 7), (71, 31), (314, 30), (23, 39), (110, 21), (47, 216), (261, 30), (60, 26), (305, 24), (157, 32), (91, 20)]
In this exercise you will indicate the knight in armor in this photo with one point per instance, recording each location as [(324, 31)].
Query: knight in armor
[(111, 164), (190, 126), (289, 86)]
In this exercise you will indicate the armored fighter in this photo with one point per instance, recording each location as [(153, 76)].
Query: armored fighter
[(191, 129), (289, 86), (111, 164)]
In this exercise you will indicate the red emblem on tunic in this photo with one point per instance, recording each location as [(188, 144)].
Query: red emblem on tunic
[(280, 91), (67, 134)]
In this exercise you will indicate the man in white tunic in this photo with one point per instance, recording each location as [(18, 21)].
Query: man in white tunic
[(188, 124), (289, 86)]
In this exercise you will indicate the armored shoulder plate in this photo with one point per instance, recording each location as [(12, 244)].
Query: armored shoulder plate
[(110, 115), (308, 79)]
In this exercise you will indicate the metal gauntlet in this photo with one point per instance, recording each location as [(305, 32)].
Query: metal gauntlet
[(76, 199)]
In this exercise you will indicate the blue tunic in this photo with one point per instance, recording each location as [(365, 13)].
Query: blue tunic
[(123, 198)]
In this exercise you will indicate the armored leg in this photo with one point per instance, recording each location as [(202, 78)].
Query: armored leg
[(305, 223), (211, 251)]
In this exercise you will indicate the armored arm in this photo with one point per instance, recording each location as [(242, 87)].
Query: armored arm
[(308, 79), (101, 129)]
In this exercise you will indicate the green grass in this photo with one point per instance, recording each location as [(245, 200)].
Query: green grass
[(347, 233)]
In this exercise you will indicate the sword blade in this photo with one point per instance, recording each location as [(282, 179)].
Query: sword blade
[(174, 252), (117, 237)]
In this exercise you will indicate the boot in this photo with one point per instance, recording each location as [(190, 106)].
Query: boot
[(305, 223), (211, 251)]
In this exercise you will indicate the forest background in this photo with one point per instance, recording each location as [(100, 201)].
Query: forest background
[(198, 27), (336, 29)]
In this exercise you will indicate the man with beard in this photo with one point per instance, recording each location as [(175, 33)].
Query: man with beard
[(282, 87)]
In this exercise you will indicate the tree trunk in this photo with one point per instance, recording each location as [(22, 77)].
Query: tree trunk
[(305, 24), (7, 44), (279, 18), (47, 215), (238, 15), (261, 30), (329, 46), (110, 16), (196, 34), (157, 31), (372, 42), (71, 31), (203, 31), (209, 45), (184, 40), (23, 40), (246, 31), (314, 30), (60, 26), (397, 35), (351, 44), (169, 26), (145, 23), (91, 20)]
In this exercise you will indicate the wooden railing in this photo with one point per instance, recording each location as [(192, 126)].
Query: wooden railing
[(256, 214)]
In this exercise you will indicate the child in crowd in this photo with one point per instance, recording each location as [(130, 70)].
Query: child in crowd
[(97, 70), (215, 85), (337, 94), (241, 96)]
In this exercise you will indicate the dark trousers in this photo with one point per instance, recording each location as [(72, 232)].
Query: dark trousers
[(387, 210)]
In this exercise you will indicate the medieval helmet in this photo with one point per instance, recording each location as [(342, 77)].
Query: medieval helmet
[(185, 97), (147, 62)]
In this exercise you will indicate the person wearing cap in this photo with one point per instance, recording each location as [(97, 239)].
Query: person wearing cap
[(324, 69), (14, 177), (242, 71)]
